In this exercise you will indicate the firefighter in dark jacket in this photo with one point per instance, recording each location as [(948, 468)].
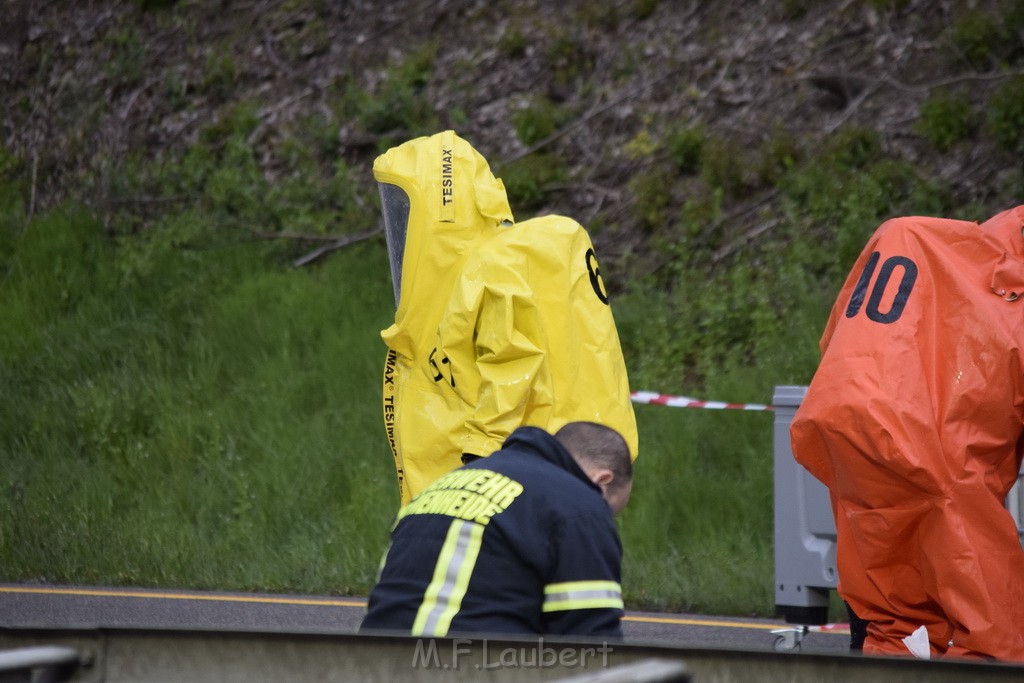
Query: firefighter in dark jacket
[(521, 542)]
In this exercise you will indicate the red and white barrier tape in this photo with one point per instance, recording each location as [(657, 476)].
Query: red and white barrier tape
[(651, 397)]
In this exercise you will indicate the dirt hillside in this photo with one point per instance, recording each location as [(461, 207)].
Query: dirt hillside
[(596, 87)]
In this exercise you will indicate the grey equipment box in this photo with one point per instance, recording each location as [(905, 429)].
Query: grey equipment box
[(805, 533)]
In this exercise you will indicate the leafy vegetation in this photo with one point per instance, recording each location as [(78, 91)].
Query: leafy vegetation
[(1006, 115), (537, 120), (985, 38), (946, 119), (527, 179)]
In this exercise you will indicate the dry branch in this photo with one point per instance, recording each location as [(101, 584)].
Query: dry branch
[(336, 245)]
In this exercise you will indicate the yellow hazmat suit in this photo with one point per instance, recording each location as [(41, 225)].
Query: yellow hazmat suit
[(498, 325)]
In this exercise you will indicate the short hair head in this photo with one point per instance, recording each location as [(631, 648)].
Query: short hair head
[(603, 455)]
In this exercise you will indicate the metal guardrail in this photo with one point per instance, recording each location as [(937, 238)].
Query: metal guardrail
[(805, 532), (39, 664), (196, 656), (646, 671)]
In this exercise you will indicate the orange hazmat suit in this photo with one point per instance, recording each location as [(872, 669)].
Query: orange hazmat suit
[(913, 421)]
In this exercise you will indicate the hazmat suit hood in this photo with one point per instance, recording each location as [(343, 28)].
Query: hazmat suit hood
[(439, 198)]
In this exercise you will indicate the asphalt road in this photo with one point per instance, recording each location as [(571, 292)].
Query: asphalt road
[(46, 606)]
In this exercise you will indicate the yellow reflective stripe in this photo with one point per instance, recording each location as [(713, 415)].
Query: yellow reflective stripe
[(567, 586), (559, 597), (443, 597)]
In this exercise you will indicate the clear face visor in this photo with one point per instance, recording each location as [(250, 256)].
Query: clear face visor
[(394, 203)]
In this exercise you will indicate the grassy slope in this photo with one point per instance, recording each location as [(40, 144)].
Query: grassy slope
[(214, 421)]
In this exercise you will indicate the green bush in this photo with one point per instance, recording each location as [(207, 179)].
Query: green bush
[(537, 120), (888, 5), (236, 121), (974, 35), (643, 9), (723, 167), (398, 109), (685, 147), (219, 77), (150, 5), (652, 193), (779, 154), (13, 181), (795, 9), (528, 179), (853, 148), (832, 204), (513, 43), (987, 38), (602, 16), (1006, 115), (568, 56), (124, 53), (1013, 21), (229, 195), (945, 120)]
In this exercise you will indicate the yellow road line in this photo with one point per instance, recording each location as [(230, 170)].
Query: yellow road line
[(840, 629), (701, 622), (183, 596), (354, 602)]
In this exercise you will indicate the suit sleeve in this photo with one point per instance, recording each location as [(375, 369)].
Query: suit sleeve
[(583, 594)]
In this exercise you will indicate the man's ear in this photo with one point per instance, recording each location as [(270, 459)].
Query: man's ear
[(602, 477)]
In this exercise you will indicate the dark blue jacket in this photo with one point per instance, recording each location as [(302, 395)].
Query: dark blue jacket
[(519, 542)]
